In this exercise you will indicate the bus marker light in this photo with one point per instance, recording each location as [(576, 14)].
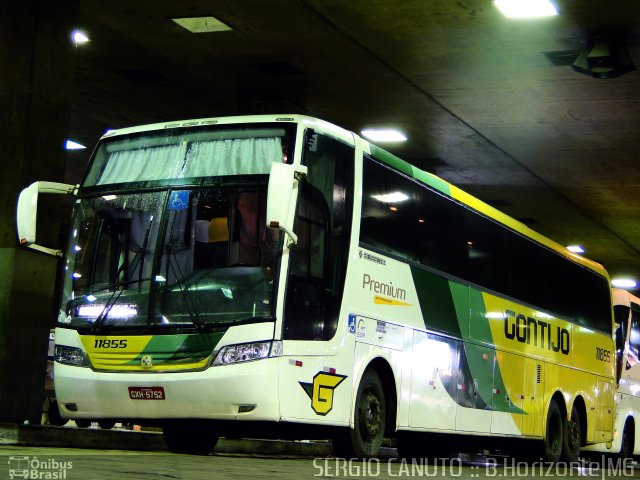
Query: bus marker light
[(330, 370)]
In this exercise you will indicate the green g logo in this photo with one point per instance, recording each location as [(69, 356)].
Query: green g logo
[(321, 391)]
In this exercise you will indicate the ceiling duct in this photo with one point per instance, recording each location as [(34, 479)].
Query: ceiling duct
[(605, 56)]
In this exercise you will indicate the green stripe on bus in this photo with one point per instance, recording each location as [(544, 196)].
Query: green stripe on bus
[(436, 302), (449, 306), (405, 167), (391, 160), (177, 348)]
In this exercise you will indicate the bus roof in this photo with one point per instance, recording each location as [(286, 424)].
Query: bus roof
[(623, 297), (386, 157)]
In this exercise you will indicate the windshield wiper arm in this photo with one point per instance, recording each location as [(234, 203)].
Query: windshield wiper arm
[(190, 303), (116, 293)]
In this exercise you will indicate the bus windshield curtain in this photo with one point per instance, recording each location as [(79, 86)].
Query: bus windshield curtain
[(195, 159)]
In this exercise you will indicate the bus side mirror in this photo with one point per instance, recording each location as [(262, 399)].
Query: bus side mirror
[(284, 181), (27, 212)]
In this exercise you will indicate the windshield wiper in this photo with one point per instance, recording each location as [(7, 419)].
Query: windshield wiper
[(190, 303), (116, 293), (138, 259)]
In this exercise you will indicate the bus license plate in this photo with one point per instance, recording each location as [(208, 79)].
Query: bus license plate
[(146, 393)]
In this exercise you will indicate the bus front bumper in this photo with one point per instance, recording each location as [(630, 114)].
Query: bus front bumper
[(243, 391)]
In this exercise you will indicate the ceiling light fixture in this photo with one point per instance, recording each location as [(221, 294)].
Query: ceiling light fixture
[(384, 135), (71, 145), (624, 283), (202, 24), (394, 197), (526, 8), (576, 249), (78, 37)]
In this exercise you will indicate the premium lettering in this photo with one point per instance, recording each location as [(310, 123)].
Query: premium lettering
[(536, 332), (383, 288)]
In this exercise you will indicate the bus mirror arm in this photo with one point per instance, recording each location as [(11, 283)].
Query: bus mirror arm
[(27, 212), (284, 181)]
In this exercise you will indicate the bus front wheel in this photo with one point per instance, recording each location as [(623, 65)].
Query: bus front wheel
[(370, 416), (554, 433), (190, 438)]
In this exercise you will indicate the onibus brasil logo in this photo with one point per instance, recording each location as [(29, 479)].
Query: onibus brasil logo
[(35, 468)]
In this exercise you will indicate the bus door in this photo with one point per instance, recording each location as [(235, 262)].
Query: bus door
[(315, 380)]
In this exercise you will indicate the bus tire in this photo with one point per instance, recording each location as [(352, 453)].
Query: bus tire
[(554, 434), (106, 424), (190, 438), (53, 414), (370, 416), (626, 444), (83, 423), (572, 438)]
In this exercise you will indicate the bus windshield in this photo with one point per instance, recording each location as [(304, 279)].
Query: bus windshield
[(198, 257), (174, 238), (184, 154)]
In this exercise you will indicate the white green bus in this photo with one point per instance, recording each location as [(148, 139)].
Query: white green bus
[(626, 439), (280, 276)]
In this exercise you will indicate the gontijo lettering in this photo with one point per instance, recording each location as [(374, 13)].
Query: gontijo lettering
[(383, 288), (536, 332)]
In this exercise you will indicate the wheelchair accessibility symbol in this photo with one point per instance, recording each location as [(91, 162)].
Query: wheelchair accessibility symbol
[(352, 324)]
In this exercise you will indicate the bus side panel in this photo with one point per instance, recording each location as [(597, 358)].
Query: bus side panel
[(434, 381)]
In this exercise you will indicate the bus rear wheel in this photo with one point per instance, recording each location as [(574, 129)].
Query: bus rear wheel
[(190, 438), (370, 416), (554, 434), (572, 438)]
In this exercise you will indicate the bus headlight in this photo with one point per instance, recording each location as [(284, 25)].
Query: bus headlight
[(246, 352), (71, 356)]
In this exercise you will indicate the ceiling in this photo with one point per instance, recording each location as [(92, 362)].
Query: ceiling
[(488, 103)]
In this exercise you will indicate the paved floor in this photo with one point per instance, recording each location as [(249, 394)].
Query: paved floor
[(85, 464)]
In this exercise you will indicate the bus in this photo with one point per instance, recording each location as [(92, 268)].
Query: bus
[(280, 276), (626, 441)]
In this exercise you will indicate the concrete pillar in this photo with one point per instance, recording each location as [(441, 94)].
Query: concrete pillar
[(35, 80)]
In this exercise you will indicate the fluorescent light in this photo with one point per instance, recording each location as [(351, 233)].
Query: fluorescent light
[(384, 135), (394, 197), (526, 8), (78, 37), (121, 311), (624, 283), (202, 24), (71, 145), (576, 248)]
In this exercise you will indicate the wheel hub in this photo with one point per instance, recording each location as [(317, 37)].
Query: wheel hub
[(371, 415)]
